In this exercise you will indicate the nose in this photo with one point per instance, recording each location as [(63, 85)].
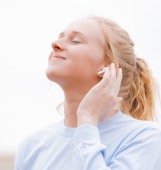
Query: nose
[(58, 46)]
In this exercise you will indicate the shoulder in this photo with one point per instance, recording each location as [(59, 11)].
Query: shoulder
[(32, 144), (124, 120), (124, 134), (39, 137), (143, 137), (125, 128), (142, 126), (141, 132)]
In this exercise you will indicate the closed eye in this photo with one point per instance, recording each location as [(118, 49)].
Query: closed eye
[(75, 41)]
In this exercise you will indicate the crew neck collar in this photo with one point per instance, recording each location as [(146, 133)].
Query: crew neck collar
[(69, 131)]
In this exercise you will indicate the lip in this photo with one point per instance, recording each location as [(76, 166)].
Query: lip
[(57, 57)]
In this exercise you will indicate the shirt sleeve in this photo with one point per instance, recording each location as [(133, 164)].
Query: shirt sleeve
[(141, 152), (19, 156)]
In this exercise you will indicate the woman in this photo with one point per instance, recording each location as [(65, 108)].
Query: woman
[(108, 105)]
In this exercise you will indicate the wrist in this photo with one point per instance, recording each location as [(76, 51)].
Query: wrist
[(81, 120)]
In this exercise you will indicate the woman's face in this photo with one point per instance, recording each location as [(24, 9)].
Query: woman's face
[(77, 54)]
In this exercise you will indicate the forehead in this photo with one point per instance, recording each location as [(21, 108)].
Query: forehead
[(89, 27)]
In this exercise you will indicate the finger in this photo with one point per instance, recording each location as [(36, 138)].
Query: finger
[(106, 75), (112, 71), (118, 81), (119, 76), (111, 77), (119, 99)]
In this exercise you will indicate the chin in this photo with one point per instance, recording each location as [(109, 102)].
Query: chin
[(50, 74), (54, 76)]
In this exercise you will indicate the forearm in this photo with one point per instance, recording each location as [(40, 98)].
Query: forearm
[(88, 151)]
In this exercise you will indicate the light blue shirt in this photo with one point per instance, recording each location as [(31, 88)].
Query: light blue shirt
[(120, 143)]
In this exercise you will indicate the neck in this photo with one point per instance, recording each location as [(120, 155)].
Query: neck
[(73, 97), (71, 104), (74, 93), (70, 110)]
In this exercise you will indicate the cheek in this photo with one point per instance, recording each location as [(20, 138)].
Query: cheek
[(88, 55), (86, 66)]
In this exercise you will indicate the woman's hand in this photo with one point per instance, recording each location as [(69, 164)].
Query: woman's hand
[(101, 99)]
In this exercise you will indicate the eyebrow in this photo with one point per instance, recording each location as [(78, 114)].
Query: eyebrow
[(62, 34)]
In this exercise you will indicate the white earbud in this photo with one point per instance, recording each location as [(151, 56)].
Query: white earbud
[(102, 71)]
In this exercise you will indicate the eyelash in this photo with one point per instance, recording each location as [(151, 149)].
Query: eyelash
[(74, 41)]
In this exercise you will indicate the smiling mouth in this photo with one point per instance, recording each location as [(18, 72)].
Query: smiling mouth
[(57, 57)]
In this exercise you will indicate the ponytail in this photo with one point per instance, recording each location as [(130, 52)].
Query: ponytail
[(140, 103)]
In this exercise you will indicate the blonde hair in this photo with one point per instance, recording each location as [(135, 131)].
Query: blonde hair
[(137, 88)]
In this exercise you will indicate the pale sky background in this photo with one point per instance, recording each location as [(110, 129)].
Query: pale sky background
[(27, 27)]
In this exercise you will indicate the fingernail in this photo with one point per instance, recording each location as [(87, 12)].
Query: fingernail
[(112, 64), (120, 69)]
